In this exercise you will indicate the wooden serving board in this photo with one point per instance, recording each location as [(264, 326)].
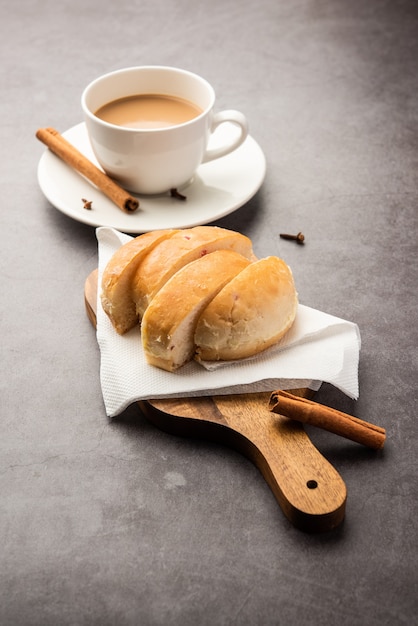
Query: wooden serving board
[(309, 490)]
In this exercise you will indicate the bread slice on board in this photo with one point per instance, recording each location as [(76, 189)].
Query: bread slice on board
[(174, 253), (116, 286), (169, 322), (251, 313)]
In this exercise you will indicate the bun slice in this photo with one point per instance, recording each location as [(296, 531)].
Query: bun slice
[(251, 313), (174, 253), (169, 322), (198, 293), (116, 287)]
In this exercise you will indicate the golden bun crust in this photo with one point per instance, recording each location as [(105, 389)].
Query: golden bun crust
[(169, 321), (198, 293), (116, 285), (251, 313), (174, 253)]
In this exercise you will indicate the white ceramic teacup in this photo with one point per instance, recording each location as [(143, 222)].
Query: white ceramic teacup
[(152, 161)]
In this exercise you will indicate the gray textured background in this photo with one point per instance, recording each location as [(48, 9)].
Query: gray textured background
[(117, 523)]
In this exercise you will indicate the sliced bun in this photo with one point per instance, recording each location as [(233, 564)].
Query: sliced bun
[(169, 321), (174, 253), (251, 313), (198, 293), (116, 287)]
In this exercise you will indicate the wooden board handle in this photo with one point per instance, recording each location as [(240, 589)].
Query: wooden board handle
[(309, 490)]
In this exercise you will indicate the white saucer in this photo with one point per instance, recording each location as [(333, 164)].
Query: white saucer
[(219, 188)]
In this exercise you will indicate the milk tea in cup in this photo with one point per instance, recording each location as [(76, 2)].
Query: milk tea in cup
[(150, 126), (147, 111)]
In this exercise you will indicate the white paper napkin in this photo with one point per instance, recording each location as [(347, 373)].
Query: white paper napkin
[(318, 348)]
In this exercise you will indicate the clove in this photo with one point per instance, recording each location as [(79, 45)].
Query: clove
[(174, 193), (86, 203), (299, 238)]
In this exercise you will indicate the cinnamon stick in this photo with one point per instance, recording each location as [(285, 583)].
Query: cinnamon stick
[(68, 153), (309, 412)]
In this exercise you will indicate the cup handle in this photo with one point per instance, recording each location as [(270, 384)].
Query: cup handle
[(234, 117)]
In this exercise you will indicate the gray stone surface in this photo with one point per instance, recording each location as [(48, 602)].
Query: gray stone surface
[(117, 523)]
